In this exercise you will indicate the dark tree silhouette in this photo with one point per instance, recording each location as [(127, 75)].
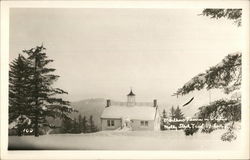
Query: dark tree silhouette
[(226, 75), (19, 91), (92, 126), (164, 114), (84, 124), (75, 126), (178, 114), (231, 14), (67, 125), (172, 112), (80, 123), (37, 97)]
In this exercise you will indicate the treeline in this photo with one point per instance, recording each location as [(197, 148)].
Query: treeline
[(82, 124), (174, 113)]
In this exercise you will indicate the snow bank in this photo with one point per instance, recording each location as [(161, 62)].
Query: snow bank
[(22, 119), (130, 140)]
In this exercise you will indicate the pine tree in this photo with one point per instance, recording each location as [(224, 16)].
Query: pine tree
[(164, 114), (19, 95), (178, 114), (226, 75), (91, 124), (44, 99), (231, 14), (75, 127), (172, 112), (84, 124), (67, 125), (229, 109), (80, 120)]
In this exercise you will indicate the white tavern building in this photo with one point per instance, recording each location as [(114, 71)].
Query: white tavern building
[(130, 117)]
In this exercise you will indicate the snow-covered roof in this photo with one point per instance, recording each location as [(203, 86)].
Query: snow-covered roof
[(131, 112)]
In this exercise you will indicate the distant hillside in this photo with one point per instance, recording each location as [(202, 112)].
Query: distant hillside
[(90, 107)]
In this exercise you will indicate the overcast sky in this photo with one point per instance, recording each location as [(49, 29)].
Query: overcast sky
[(101, 53)]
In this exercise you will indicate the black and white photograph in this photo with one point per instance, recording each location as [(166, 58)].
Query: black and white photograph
[(126, 78)]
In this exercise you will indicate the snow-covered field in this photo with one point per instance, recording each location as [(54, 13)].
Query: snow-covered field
[(129, 140)]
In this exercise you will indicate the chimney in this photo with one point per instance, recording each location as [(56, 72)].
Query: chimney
[(108, 103), (155, 103)]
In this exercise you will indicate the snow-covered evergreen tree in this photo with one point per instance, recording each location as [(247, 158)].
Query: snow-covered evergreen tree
[(172, 112), (164, 114), (84, 124), (92, 127), (44, 96), (75, 126), (31, 89), (178, 113), (80, 120), (226, 75), (19, 92), (231, 14), (66, 126)]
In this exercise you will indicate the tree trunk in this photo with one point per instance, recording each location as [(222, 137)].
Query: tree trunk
[(36, 129), (19, 130)]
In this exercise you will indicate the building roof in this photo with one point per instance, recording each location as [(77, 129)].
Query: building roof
[(131, 93), (135, 112)]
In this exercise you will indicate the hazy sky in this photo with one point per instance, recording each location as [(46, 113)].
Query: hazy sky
[(101, 53)]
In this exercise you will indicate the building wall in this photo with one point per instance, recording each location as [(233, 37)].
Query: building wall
[(104, 123), (136, 125)]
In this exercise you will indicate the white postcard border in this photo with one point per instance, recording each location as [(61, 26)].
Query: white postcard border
[(65, 154)]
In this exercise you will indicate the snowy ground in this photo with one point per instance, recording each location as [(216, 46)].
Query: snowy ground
[(130, 140)]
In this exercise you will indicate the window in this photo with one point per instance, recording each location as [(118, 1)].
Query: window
[(111, 123), (144, 123)]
